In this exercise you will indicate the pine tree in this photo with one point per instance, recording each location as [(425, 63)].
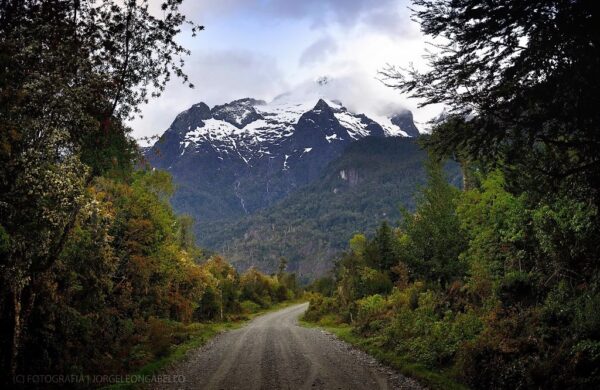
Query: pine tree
[(521, 81), (433, 239)]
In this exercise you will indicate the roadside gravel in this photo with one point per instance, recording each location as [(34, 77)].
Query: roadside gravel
[(273, 352)]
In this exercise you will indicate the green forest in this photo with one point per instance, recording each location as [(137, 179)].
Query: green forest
[(494, 285), (312, 225)]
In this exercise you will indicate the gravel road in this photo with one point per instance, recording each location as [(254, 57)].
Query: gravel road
[(273, 352)]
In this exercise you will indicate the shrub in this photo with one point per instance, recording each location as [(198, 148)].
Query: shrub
[(319, 306), (374, 282), (370, 311), (249, 307), (419, 331), (585, 359), (517, 289), (159, 337)]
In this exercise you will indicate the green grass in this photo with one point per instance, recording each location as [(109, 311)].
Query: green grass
[(199, 334), (431, 379)]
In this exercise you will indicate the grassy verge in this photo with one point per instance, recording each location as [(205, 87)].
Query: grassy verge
[(432, 380), (198, 334)]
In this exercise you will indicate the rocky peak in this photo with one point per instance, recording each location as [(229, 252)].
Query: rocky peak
[(320, 125), (239, 113), (322, 106), (404, 121), (191, 118)]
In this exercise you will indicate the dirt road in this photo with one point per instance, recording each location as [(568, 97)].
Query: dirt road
[(273, 352)]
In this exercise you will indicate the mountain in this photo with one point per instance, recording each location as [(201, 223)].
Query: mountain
[(368, 183), (293, 178), (234, 159)]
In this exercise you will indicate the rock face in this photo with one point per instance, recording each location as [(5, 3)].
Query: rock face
[(368, 183), (241, 157), (404, 120)]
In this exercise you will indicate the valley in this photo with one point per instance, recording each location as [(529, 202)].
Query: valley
[(293, 179)]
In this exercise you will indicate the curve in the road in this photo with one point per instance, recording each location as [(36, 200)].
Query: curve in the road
[(273, 352)]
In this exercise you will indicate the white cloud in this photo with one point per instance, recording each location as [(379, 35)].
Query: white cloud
[(318, 51), (218, 77), (259, 48)]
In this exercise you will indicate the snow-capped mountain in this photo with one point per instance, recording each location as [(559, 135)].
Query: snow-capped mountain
[(239, 157), (250, 129)]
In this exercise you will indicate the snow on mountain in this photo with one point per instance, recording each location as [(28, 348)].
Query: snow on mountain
[(251, 128), (236, 158)]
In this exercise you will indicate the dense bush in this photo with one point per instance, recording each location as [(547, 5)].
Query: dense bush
[(319, 306), (127, 282), (514, 308)]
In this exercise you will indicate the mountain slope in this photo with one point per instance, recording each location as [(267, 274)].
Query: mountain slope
[(368, 183), (243, 156)]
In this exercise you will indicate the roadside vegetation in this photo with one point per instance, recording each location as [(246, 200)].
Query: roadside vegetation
[(98, 275), (496, 286), (468, 290)]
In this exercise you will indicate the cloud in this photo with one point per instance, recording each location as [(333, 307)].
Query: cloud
[(392, 22), (219, 77), (318, 51), (319, 13), (259, 48)]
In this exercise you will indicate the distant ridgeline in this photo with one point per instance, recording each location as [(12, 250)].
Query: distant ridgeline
[(292, 179)]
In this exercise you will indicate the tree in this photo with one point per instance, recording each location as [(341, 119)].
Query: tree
[(520, 80), (281, 268), (432, 237), (380, 253), (71, 72)]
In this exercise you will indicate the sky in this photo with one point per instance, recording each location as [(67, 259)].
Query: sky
[(263, 48)]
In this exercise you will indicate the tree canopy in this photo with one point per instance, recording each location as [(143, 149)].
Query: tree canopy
[(520, 80)]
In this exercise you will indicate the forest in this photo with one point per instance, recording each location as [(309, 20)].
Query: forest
[(495, 286), (98, 274)]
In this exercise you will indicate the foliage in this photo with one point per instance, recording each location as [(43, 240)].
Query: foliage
[(265, 290), (521, 310), (520, 80), (432, 238), (72, 72), (98, 274), (324, 286), (125, 282)]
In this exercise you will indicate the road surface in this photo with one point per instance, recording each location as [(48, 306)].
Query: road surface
[(273, 352)]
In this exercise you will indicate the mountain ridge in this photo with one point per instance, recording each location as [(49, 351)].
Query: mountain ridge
[(239, 157), (237, 163), (368, 183)]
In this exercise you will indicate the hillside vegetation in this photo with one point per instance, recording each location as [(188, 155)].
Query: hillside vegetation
[(468, 286), (370, 182), (496, 286)]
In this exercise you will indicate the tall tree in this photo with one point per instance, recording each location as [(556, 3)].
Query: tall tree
[(71, 72), (520, 79), (432, 237), (380, 253)]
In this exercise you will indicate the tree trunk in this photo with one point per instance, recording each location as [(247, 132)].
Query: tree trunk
[(17, 329), (20, 318)]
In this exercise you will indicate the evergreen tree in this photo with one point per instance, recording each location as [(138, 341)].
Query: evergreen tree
[(521, 80), (432, 237), (381, 253)]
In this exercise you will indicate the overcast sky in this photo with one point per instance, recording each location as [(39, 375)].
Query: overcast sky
[(262, 48)]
